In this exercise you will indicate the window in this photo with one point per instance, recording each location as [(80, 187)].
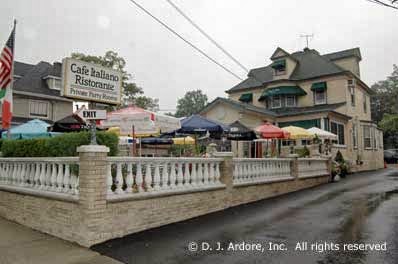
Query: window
[(374, 138), (351, 89), (38, 108), (365, 103), (290, 100), (279, 71), (354, 136), (276, 101), (57, 84), (320, 97), (338, 129), (367, 137)]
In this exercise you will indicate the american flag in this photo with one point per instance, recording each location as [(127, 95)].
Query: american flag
[(6, 72), (6, 59)]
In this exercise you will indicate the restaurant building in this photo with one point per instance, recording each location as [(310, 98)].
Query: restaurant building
[(309, 89), (36, 93)]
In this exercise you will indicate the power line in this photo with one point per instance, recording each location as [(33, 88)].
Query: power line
[(206, 35), (384, 4), (186, 41)]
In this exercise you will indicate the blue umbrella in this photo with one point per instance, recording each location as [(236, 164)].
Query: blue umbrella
[(197, 123)]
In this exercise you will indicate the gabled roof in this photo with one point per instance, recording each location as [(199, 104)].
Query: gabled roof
[(281, 112), (310, 65), (238, 105), (355, 52), (284, 52), (32, 78)]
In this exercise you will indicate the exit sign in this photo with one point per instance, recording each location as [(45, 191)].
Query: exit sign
[(92, 114)]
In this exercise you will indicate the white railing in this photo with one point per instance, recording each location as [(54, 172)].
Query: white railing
[(254, 171), (312, 167), (130, 176), (41, 176)]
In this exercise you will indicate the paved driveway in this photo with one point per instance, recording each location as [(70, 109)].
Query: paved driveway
[(361, 209)]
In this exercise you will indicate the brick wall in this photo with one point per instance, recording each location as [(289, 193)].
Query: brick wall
[(94, 219)]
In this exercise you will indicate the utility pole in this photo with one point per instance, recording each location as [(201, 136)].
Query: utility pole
[(307, 37)]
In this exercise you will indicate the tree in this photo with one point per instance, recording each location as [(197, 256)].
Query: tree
[(384, 107), (384, 101), (132, 94), (191, 103), (389, 125)]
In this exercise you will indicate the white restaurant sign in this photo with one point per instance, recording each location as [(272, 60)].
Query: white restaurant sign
[(90, 82)]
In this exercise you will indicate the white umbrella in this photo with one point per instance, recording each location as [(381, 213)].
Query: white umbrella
[(322, 134)]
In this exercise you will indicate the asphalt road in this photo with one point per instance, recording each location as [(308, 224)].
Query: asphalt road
[(361, 209)]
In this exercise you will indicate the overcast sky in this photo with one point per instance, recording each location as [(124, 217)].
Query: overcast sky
[(166, 67)]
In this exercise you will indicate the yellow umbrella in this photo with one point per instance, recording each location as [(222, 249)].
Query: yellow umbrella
[(298, 132), (116, 130), (184, 141)]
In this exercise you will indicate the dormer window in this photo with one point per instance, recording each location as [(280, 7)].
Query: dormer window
[(53, 82), (319, 90), (276, 101), (279, 67)]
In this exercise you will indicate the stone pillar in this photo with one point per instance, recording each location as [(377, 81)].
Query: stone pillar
[(92, 192), (226, 168), (226, 174), (294, 168)]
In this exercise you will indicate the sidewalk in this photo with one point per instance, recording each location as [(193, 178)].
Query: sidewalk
[(22, 245)]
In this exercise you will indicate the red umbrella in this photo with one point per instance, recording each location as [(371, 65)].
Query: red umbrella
[(270, 131)]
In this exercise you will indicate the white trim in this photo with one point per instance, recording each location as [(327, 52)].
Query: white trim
[(320, 102), (43, 96), (52, 77)]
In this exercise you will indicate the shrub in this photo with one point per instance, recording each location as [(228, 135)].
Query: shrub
[(303, 152), (61, 146), (344, 166)]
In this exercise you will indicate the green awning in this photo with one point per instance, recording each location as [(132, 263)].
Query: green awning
[(302, 123), (279, 64), (246, 97), (283, 90), (319, 86)]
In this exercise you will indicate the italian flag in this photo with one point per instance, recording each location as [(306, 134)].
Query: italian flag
[(6, 77)]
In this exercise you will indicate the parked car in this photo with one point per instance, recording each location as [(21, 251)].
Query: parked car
[(391, 155)]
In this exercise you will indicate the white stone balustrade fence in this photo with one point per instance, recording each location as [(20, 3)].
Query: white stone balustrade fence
[(44, 176), (254, 171), (134, 176), (312, 167)]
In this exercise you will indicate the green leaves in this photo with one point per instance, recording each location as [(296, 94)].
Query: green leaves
[(61, 146), (191, 103)]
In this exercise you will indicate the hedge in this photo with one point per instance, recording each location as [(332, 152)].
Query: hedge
[(60, 146)]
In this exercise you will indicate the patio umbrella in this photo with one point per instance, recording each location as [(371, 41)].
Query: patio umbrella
[(270, 131), (298, 132), (322, 134), (71, 123), (184, 141), (197, 123), (32, 129)]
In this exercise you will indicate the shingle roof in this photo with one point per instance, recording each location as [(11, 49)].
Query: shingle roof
[(239, 105), (282, 112), (355, 52), (32, 78), (310, 65), (21, 68)]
